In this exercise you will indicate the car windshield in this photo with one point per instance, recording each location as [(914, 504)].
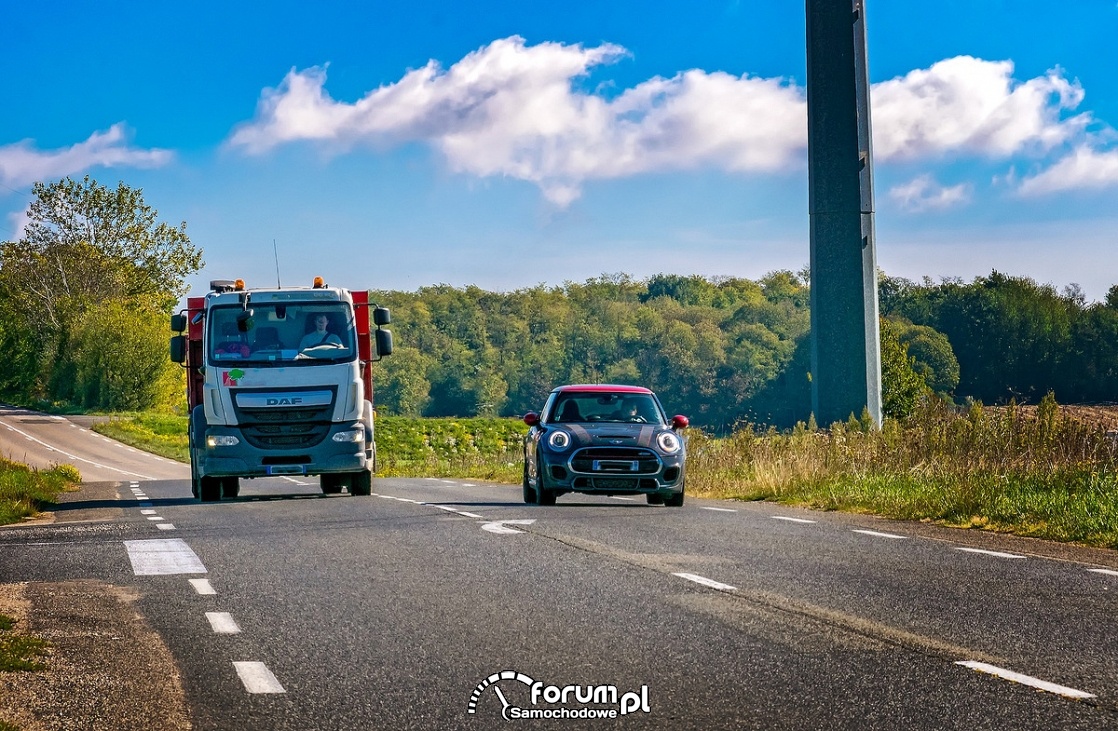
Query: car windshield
[(633, 408), (293, 333)]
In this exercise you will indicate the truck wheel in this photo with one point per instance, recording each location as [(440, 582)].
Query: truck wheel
[(209, 489), (361, 483), (230, 486), (331, 484)]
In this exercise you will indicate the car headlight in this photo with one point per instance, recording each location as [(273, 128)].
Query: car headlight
[(559, 440), (353, 435), (668, 442), (222, 441)]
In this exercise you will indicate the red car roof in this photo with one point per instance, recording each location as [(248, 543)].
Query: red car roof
[(601, 388)]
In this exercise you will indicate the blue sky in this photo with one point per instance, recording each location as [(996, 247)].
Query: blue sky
[(508, 144)]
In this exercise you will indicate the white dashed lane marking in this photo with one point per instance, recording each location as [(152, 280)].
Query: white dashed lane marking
[(157, 557), (792, 520), (223, 623), (877, 534), (1025, 679), (257, 678), (711, 583), (203, 587), (984, 552)]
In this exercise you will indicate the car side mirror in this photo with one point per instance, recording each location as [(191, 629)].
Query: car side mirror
[(532, 418), (680, 422)]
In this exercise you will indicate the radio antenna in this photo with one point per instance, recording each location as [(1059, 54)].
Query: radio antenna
[(275, 252)]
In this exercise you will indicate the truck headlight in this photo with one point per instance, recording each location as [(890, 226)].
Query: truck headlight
[(222, 440), (668, 442), (353, 435)]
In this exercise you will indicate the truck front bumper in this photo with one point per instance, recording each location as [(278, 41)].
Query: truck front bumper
[(226, 453)]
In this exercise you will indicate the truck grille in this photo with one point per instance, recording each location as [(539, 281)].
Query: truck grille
[(288, 428)]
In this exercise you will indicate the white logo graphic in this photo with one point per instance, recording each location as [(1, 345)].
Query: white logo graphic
[(562, 702)]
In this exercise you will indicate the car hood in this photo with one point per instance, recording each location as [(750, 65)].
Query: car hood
[(612, 434)]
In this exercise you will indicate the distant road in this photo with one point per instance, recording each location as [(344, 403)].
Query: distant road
[(409, 609), (42, 441)]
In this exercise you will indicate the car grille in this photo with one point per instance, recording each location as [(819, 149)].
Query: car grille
[(615, 460)]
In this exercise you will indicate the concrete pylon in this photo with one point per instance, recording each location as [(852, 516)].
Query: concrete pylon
[(845, 344)]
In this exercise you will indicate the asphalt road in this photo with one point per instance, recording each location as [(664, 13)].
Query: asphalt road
[(285, 609)]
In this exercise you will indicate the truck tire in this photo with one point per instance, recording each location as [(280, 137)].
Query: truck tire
[(230, 486), (331, 484), (361, 483), (209, 489)]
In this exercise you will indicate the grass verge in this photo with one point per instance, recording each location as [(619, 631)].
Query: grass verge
[(19, 652), (25, 491), (1035, 472)]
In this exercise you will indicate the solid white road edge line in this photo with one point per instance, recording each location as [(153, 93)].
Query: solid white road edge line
[(257, 678), (706, 582), (1024, 679), (876, 534), (222, 623), (719, 510), (792, 520), (1108, 572), (984, 552)]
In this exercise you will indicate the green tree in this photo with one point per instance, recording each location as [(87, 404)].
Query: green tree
[(85, 247), (901, 386)]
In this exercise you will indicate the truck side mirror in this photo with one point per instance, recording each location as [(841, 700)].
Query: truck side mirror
[(382, 316), (178, 349), (384, 342), (178, 323)]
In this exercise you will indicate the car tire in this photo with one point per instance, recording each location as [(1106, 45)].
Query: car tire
[(529, 493), (543, 495), (655, 498), (674, 501)]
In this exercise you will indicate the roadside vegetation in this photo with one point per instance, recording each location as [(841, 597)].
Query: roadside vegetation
[(1033, 471), (19, 651), (24, 492)]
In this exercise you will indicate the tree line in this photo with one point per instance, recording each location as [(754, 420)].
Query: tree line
[(86, 291)]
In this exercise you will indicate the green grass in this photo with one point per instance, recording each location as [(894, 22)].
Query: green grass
[(24, 491), (1041, 473), (19, 652)]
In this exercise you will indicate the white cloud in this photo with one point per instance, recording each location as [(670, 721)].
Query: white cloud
[(510, 109), (924, 194), (966, 104), (1083, 168), (22, 164), (517, 110)]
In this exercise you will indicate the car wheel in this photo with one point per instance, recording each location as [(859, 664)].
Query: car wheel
[(674, 501), (543, 495), (529, 493), (655, 498)]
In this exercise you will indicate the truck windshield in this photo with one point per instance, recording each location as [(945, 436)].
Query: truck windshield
[(291, 333)]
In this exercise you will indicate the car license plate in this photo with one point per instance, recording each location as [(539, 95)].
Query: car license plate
[(613, 465)]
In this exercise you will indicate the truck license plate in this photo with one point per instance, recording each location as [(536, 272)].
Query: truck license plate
[(286, 469)]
